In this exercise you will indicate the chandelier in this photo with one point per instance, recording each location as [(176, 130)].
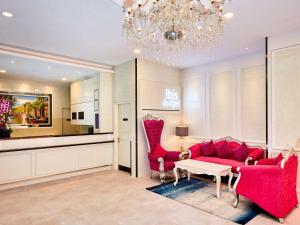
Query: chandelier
[(173, 25)]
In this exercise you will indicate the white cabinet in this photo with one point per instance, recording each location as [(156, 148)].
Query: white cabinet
[(84, 113), (82, 102), (106, 106), (95, 155), (15, 166), (54, 161), (83, 90), (26, 165)]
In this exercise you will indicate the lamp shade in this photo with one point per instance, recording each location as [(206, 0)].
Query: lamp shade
[(182, 131)]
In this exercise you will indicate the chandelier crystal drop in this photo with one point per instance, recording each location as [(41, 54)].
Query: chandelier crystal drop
[(173, 25)]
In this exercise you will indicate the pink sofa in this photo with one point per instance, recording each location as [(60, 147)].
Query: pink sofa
[(273, 185), (226, 151)]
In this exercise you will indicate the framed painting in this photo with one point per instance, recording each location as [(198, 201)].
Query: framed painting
[(27, 109)]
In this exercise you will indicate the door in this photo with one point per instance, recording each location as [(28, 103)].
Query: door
[(124, 137)]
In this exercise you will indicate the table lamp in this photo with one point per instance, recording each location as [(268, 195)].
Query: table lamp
[(182, 131)]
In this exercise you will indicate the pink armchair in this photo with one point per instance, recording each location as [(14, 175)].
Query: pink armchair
[(153, 128), (271, 184)]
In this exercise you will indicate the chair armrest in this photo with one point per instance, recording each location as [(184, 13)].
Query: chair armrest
[(155, 158), (260, 170), (266, 162), (173, 156), (253, 156)]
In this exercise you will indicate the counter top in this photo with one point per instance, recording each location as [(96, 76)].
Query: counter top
[(49, 136), (36, 143)]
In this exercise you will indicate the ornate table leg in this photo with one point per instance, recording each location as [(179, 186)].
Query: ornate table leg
[(176, 176), (218, 180), (229, 181)]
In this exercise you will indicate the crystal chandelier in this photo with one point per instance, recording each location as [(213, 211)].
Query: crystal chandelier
[(173, 25)]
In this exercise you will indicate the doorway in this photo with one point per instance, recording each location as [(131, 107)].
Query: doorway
[(124, 138)]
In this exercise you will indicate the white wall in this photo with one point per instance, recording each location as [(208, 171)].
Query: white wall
[(60, 99), (226, 99), (284, 93), (163, 76), (124, 92)]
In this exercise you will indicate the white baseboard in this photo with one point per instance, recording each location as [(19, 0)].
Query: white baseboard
[(53, 177)]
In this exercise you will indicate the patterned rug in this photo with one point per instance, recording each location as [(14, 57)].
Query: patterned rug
[(202, 195)]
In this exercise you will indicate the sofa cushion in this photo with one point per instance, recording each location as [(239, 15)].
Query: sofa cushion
[(223, 150), (208, 149), (240, 153), (160, 151), (229, 162), (233, 144)]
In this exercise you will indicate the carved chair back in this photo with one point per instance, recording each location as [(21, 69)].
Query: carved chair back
[(153, 129), (286, 157)]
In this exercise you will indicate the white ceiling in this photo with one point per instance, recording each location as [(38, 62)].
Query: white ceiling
[(92, 29), (18, 68)]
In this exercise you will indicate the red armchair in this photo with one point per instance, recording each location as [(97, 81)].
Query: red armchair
[(271, 184), (153, 128)]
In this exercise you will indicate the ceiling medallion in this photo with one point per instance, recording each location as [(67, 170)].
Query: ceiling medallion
[(173, 25)]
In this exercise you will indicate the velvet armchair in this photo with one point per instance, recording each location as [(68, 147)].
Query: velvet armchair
[(153, 128), (271, 184)]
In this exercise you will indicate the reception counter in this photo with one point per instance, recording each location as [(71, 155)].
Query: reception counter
[(37, 159)]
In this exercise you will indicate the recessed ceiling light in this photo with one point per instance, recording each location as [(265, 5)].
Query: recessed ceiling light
[(247, 49), (137, 51), (12, 61), (79, 72), (228, 15), (3, 71), (49, 67), (7, 14), (64, 79)]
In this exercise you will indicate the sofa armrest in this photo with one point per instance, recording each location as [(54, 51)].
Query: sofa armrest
[(266, 162), (254, 156), (173, 156)]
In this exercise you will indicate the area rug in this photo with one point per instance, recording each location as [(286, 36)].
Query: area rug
[(201, 194)]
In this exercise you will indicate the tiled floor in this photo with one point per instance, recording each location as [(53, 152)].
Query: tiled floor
[(108, 198)]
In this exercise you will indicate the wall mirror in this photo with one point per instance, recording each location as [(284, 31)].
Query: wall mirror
[(35, 96)]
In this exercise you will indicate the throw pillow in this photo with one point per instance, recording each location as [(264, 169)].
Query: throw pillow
[(279, 158), (241, 152), (160, 151), (195, 149), (223, 150), (208, 149)]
